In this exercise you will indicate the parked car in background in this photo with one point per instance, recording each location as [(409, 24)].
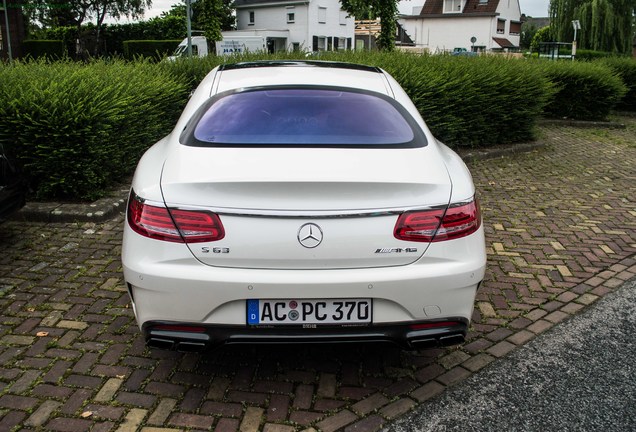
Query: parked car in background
[(12, 187), (302, 201)]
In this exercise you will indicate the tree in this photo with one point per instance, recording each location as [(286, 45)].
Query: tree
[(528, 30), (211, 16), (606, 25), (386, 10), (542, 35), (75, 12)]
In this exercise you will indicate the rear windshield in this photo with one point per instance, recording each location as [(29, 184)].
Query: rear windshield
[(303, 117)]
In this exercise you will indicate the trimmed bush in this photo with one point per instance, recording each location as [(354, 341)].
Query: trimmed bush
[(588, 55), (584, 91), (155, 49), (625, 68), (49, 49), (76, 128)]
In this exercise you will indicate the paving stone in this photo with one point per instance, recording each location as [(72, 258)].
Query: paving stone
[(163, 410), (427, 391), (271, 427), (251, 420), (133, 420), (477, 362), (191, 421), (335, 422), (397, 408), (41, 415), (369, 404), (108, 390), (61, 424), (368, 424)]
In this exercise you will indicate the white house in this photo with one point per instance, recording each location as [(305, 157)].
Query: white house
[(442, 25), (309, 25)]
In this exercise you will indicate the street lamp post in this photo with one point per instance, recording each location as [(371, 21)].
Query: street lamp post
[(188, 26), (6, 26), (577, 26)]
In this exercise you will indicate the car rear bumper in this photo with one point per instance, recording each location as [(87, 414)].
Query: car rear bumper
[(188, 338)]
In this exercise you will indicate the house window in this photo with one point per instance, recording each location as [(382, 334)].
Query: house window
[(343, 17), (453, 6), (291, 17), (322, 15), (515, 28), (251, 22), (342, 44), (296, 46), (483, 1), (501, 26), (321, 44)]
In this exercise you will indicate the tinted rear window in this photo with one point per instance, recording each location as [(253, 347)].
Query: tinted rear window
[(303, 117)]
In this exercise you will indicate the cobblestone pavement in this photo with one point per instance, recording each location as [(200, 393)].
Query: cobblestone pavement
[(561, 232)]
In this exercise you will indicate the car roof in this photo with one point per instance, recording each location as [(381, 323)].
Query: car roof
[(299, 72)]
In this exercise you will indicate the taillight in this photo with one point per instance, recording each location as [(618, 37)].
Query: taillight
[(173, 225), (455, 222)]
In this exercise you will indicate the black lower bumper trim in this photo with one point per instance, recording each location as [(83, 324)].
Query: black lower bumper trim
[(410, 336)]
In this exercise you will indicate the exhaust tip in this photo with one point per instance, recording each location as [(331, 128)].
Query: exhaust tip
[(187, 347), (160, 343)]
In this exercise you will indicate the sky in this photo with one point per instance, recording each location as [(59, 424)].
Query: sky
[(535, 8)]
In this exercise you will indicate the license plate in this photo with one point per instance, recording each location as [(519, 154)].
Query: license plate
[(289, 312)]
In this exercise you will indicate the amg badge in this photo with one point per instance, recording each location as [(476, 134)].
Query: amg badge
[(395, 250)]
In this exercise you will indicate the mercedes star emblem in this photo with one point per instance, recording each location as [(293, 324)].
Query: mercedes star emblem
[(310, 235)]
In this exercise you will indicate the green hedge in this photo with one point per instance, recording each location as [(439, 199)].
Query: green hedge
[(75, 128), (50, 49), (584, 91), (155, 49), (625, 68)]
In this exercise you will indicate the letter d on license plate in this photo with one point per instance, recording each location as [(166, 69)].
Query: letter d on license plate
[(289, 312)]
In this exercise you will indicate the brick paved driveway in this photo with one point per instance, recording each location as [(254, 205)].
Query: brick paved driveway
[(561, 231)]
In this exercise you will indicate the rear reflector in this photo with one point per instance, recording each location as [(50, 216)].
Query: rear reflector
[(433, 325), (457, 221), (179, 328), (173, 225)]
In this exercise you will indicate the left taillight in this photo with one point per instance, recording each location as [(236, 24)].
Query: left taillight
[(173, 225), (457, 221)]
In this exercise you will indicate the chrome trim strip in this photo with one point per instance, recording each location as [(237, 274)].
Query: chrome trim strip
[(306, 214)]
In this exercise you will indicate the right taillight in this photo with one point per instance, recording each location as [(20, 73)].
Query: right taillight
[(173, 225), (458, 220)]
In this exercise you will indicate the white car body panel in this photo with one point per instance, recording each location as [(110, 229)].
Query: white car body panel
[(167, 282), (304, 179)]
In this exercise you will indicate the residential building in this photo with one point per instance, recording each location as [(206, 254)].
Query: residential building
[(308, 25), (476, 25)]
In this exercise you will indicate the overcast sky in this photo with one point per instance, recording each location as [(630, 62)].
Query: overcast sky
[(535, 8)]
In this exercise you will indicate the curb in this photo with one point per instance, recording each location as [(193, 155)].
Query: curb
[(582, 124), (97, 211)]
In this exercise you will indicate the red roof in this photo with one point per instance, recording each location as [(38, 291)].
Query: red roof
[(504, 43), (436, 7)]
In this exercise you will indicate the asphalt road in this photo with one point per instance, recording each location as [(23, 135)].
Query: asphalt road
[(579, 376)]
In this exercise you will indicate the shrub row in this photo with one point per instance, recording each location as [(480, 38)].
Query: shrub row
[(584, 91), (50, 49), (77, 128), (153, 49), (625, 68)]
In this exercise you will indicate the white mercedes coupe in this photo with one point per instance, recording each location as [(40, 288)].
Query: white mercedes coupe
[(302, 201)]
